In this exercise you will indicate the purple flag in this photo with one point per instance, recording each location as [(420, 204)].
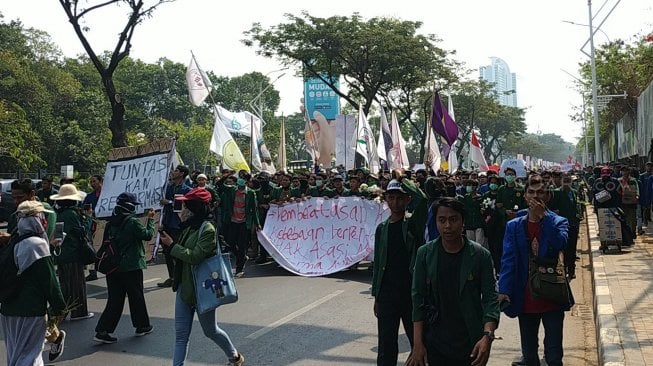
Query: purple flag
[(442, 123)]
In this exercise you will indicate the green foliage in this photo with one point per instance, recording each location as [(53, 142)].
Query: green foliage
[(16, 135), (548, 147), (620, 67)]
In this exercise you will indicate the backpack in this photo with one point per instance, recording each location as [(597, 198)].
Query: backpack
[(10, 281), (108, 256)]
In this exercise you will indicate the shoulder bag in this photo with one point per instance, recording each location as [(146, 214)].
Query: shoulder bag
[(213, 280), (547, 278)]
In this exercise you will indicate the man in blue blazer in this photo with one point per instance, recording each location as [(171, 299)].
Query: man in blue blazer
[(539, 233)]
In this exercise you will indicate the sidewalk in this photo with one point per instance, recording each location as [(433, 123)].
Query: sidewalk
[(623, 301)]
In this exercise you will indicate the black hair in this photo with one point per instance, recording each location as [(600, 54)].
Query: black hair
[(24, 185), (67, 203), (183, 169), (98, 177), (509, 169), (471, 182), (451, 203)]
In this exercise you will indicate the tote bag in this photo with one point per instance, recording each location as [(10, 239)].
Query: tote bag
[(213, 280)]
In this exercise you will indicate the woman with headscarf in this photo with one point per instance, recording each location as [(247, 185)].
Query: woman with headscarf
[(23, 314), (196, 242), (69, 266), (127, 233)]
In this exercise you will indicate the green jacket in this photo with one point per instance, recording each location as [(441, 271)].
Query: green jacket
[(413, 229), (74, 225), (276, 192), (511, 197), (39, 288), (313, 191), (473, 216), (567, 208), (477, 287), (191, 249), (129, 241), (227, 206)]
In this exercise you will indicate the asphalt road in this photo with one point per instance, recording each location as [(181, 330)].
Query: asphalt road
[(283, 319)]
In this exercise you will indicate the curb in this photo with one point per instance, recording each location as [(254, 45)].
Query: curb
[(608, 337)]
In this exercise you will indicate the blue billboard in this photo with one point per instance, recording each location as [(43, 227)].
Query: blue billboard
[(319, 97)]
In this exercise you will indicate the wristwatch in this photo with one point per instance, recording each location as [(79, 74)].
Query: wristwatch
[(490, 335)]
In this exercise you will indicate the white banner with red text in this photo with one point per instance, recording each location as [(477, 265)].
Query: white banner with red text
[(317, 237)]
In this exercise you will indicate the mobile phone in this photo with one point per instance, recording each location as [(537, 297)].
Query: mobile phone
[(58, 231), (177, 204)]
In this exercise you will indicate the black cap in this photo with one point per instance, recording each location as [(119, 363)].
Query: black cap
[(127, 197)]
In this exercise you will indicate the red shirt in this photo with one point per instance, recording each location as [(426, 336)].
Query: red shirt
[(533, 305)]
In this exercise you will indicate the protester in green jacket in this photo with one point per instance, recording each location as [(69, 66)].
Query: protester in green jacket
[(284, 192), (395, 246), (196, 243), (69, 266), (127, 233), (474, 220), (23, 313), (23, 190), (455, 276), (239, 218)]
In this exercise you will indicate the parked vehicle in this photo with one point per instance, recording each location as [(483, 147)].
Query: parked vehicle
[(7, 204)]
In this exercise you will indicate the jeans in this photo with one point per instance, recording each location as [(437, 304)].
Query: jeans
[(529, 325), (119, 285), (184, 324)]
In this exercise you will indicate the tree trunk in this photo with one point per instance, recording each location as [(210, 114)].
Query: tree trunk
[(117, 123)]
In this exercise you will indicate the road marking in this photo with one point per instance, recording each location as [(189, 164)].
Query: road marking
[(293, 315), (105, 291)]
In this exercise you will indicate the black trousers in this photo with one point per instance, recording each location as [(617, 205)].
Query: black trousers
[(570, 251), (119, 285), (170, 260), (390, 310), (237, 238), (73, 287)]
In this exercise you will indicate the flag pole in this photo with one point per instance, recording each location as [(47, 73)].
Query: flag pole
[(312, 132), (252, 143)]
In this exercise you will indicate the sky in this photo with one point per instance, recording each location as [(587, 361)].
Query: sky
[(529, 35)]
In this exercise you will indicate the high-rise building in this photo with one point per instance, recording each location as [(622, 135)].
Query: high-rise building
[(505, 82)]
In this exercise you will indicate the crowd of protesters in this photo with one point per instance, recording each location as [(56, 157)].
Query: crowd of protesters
[(464, 232)]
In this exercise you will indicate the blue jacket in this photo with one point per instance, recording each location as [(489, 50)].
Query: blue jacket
[(170, 218), (514, 261), (645, 189)]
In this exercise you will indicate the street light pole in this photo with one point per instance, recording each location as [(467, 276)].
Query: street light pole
[(595, 108)]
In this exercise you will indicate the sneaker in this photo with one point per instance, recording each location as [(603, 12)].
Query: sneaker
[(56, 349), (238, 361), (91, 277), (87, 316), (240, 274), (144, 331), (166, 283), (104, 337)]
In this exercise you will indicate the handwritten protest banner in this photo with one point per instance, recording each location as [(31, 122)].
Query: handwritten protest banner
[(142, 170), (318, 237)]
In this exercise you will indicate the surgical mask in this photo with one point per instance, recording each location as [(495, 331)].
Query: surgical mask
[(493, 186), (469, 189), (318, 182), (510, 178)]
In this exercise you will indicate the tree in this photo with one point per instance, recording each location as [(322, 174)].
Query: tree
[(106, 68), (15, 151), (375, 58)]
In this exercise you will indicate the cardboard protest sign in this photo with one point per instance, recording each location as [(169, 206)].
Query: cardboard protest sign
[(142, 170), (318, 237), (517, 164)]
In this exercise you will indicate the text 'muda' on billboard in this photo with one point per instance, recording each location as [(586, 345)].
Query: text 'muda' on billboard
[(318, 96)]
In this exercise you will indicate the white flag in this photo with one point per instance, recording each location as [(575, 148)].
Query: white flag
[(398, 145), (453, 159), (261, 159), (281, 158), (238, 122), (199, 85), (432, 157), (223, 144), (384, 145), (450, 107), (476, 154), (366, 143)]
